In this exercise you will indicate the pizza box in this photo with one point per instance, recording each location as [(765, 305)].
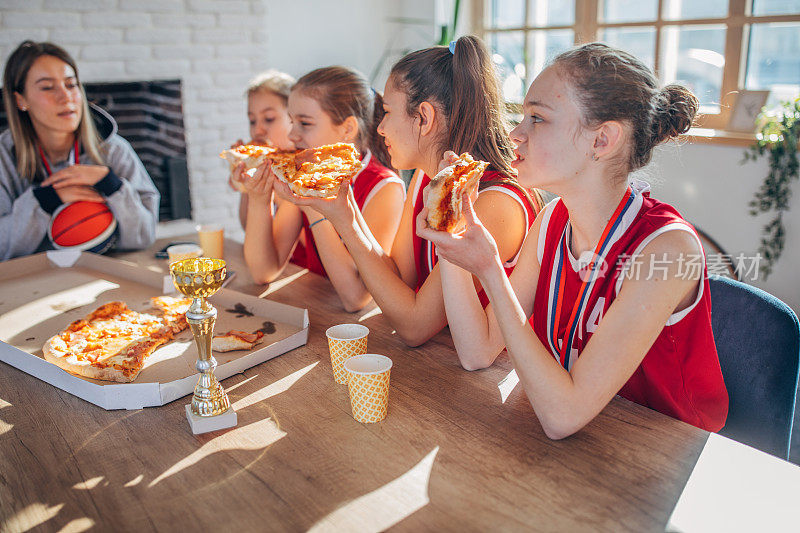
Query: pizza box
[(41, 294)]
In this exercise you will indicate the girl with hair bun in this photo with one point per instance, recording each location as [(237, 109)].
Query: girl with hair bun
[(610, 295), (436, 99), (326, 106)]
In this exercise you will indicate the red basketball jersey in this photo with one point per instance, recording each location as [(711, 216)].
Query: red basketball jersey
[(680, 375), (369, 180), (425, 252)]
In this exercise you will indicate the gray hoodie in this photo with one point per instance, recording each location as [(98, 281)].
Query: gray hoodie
[(26, 208)]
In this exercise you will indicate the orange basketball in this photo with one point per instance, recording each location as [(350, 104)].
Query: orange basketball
[(83, 226)]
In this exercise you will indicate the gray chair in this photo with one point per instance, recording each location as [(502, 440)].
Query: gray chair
[(758, 343)]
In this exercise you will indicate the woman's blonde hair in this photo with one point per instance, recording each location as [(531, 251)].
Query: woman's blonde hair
[(19, 122), (273, 81)]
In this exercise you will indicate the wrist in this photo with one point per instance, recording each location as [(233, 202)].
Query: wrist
[(109, 183), (491, 276), (256, 197), (312, 223)]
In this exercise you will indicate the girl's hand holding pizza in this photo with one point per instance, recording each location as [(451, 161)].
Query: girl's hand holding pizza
[(448, 158), (338, 209), (236, 178), (472, 249), (87, 175), (260, 183)]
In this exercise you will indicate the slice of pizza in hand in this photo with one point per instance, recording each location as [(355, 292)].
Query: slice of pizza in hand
[(235, 340), (317, 172), (251, 154), (111, 343), (446, 189)]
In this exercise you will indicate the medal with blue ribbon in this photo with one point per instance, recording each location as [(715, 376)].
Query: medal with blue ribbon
[(562, 350)]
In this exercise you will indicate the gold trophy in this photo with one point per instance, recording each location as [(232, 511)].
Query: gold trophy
[(200, 278)]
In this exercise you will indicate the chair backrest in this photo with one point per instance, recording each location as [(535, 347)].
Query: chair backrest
[(758, 343)]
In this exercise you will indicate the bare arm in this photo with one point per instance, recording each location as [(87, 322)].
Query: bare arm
[(416, 316), (476, 333), (381, 217), (566, 401), (243, 210), (268, 240)]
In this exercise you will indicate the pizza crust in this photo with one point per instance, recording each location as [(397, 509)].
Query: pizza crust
[(252, 155), (235, 340), (444, 197)]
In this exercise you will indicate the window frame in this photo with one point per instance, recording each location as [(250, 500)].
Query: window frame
[(587, 26)]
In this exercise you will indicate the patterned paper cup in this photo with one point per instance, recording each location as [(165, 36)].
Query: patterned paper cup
[(368, 381), (345, 341)]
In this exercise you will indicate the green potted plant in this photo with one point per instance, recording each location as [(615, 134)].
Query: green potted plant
[(777, 138)]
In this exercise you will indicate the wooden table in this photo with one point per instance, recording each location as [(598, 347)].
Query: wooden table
[(451, 455)]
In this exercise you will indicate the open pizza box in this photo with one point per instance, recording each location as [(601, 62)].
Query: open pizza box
[(42, 294)]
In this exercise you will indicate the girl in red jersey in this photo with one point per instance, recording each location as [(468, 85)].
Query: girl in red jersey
[(604, 299), (436, 99), (326, 106)]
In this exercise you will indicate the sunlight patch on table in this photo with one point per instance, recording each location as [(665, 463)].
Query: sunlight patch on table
[(237, 385), (386, 506), (5, 427), (371, 313), (507, 385), (89, 484), (734, 487), (33, 515), (79, 525), (4, 404), (253, 436), (273, 389), (278, 284), (135, 481)]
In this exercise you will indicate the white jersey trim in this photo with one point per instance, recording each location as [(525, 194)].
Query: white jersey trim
[(385, 181), (417, 185), (513, 261), (364, 162), (673, 226), (547, 211)]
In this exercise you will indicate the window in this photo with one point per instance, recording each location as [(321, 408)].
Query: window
[(712, 46)]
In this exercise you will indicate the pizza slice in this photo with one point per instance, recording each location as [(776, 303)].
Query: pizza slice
[(251, 154), (317, 171), (446, 189), (111, 343), (173, 311), (235, 340)]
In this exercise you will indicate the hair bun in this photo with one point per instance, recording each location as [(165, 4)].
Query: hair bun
[(674, 109)]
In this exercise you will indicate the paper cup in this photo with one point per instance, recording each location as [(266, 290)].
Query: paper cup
[(368, 381), (183, 251), (211, 237), (345, 341)]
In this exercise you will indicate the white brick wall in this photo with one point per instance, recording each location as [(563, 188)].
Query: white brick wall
[(214, 47)]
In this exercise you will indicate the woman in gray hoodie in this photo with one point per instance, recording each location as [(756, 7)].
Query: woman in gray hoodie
[(59, 149)]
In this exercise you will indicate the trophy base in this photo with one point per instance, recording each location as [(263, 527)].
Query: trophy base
[(204, 424)]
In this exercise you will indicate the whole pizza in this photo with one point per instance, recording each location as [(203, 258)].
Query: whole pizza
[(113, 342)]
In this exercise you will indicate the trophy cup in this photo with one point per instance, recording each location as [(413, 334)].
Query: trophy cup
[(199, 278)]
